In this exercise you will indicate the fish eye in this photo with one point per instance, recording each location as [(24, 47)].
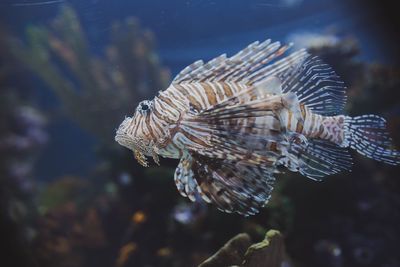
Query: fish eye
[(144, 106)]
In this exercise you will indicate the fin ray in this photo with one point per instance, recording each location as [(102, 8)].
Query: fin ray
[(367, 134), (250, 65), (316, 85), (183, 177), (233, 185), (318, 158), (236, 128)]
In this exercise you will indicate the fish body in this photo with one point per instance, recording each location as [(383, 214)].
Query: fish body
[(235, 122)]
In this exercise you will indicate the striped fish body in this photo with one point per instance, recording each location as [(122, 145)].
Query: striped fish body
[(194, 97), (204, 95), (235, 122)]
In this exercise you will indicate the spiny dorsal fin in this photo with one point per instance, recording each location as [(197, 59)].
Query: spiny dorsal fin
[(316, 85), (249, 65), (314, 82), (271, 85)]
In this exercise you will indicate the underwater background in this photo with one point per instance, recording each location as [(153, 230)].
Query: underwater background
[(70, 196)]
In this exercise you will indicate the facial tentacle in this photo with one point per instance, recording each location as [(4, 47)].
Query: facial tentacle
[(141, 158)]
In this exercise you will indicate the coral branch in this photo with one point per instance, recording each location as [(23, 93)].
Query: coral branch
[(239, 252), (96, 92)]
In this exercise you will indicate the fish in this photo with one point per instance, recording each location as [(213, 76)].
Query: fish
[(236, 122)]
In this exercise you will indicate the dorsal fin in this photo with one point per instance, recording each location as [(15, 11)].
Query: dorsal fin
[(271, 85), (314, 82), (249, 65), (316, 85)]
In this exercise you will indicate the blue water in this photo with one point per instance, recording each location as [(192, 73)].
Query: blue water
[(185, 31)]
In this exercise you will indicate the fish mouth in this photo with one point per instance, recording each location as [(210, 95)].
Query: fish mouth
[(123, 140), (137, 146), (121, 135)]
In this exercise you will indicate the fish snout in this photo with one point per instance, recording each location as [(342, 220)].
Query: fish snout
[(122, 137)]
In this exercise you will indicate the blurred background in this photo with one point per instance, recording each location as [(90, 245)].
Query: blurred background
[(71, 70)]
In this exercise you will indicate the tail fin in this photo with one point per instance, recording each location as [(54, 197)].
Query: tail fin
[(367, 134)]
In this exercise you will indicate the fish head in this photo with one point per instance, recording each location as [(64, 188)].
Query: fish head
[(134, 133)]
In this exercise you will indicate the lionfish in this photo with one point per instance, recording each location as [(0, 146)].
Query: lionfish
[(234, 122)]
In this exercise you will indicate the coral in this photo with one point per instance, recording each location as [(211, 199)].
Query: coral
[(71, 227), (59, 192), (240, 252), (270, 251), (67, 235), (232, 253), (125, 253), (95, 91), (22, 135)]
